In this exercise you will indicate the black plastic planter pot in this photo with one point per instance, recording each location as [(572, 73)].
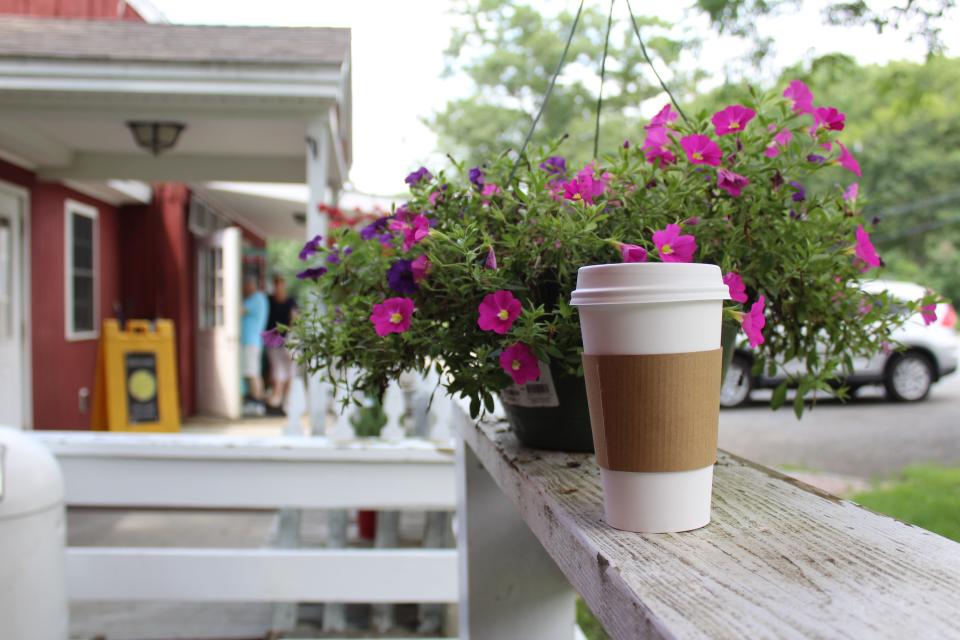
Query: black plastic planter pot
[(564, 427), (728, 340)]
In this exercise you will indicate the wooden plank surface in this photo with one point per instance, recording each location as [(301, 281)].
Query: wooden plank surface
[(779, 559)]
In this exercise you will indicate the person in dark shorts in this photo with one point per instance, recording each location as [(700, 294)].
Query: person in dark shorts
[(283, 309)]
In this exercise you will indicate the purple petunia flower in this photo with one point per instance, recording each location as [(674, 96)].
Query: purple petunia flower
[(400, 277), (816, 158), (556, 165), (420, 174), (310, 248), (371, 231), (311, 274), (476, 176), (800, 194)]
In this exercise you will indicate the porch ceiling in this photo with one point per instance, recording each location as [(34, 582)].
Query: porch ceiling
[(246, 96)]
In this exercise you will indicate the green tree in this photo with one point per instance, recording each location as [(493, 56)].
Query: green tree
[(509, 51)]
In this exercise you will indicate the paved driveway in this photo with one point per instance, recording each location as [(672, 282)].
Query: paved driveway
[(868, 437)]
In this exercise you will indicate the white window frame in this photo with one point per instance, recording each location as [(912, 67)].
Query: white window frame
[(71, 208)]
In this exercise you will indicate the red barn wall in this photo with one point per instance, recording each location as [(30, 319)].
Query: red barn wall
[(85, 9)]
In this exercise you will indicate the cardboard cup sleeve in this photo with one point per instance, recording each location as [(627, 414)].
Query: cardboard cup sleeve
[(654, 412)]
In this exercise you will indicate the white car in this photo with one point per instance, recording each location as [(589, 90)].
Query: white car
[(928, 354)]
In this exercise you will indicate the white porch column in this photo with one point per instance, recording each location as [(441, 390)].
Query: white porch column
[(318, 170)]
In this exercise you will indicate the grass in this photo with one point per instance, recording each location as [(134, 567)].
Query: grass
[(925, 495)]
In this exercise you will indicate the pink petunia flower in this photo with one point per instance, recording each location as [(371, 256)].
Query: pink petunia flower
[(864, 307), (632, 252), (732, 119), (847, 161), (672, 246), (781, 140), (489, 189), (491, 261), (851, 193), (520, 363), (753, 323), (414, 228), (498, 311), (392, 316), (420, 268), (654, 146), (732, 183), (865, 250), (929, 314), (738, 291), (801, 96), (586, 185), (665, 116), (700, 149), (828, 118), (272, 338)]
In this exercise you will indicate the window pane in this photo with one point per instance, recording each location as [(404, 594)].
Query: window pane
[(82, 242), (83, 303)]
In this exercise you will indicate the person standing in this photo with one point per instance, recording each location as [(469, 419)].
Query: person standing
[(256, 309), (283, 310)]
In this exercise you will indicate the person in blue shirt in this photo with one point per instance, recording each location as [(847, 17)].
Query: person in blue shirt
[(256, 309)]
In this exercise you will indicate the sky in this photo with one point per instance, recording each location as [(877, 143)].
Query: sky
[(397, 60)]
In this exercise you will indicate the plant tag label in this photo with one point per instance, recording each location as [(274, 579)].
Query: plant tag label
[(541, 393)]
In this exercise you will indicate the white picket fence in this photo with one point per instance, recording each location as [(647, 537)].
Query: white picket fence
[(334, 472)]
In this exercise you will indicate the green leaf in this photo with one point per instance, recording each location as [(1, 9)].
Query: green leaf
[(779, 395), (474, 406)]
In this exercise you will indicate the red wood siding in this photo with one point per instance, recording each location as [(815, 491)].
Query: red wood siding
[(61, 368), (88, 9)]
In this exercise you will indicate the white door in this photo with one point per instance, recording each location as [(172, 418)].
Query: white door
[(12, 370), (218, 324)]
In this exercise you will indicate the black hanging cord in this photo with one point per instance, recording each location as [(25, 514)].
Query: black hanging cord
[(603, 72), (643, 48), (546, 96)]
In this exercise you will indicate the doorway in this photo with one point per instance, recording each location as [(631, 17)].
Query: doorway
[(15, 396)]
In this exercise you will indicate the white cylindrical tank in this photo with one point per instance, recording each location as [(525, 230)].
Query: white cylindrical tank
[(33, 599)]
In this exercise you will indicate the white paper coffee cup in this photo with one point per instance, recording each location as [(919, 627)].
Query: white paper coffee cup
[(647, 309)]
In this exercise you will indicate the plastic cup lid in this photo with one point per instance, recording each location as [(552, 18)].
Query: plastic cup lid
[(648, 282)]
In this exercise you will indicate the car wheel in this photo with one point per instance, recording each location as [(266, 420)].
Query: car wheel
[(738, 383), (909, 377)]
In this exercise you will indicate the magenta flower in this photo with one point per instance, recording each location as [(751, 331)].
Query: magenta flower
[(518, 361), (929, 313), (851, 193), (692, 221), (732, 119), (414, 229), (753, 323), (665, 116), (632, 252), (420, 268), (828, 118), (700, 149), (800, 94), (392, 316), (864, 307), (672, 246), (585, 186), (273, 338), (498, 311), (865, 250), (732, 183), (488, 190), (847, 161), (654, 146), (310, 248), (781, 140), (738, 291), (491, 261)]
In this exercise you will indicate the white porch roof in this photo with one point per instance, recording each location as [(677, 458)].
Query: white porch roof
[(252, 100)]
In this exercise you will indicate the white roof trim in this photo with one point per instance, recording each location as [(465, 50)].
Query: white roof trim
[(147, 11)]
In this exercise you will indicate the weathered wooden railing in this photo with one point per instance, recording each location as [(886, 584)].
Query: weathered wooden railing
[(779, 559)]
